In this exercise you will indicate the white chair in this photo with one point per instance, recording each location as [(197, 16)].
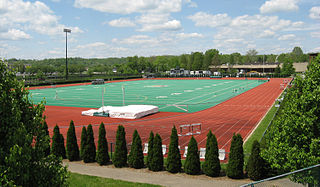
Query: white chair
[(164, 149), (202, 153), (185, 151), (222, 154), (145, 150)]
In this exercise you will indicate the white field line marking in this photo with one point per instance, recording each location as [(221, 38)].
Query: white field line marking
[(206, 94)]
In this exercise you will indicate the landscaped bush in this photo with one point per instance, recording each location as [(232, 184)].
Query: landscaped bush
[(211, 167), (120, 155), (58, 147), (192, 163), (156, 163), (150, 149), (256, 164), (135, 159), (174, 157), (102, 153), (236, 157), (89, 154), (83, 141), (72, 145)]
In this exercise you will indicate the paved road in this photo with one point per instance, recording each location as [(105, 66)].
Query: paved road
[(162, 178)]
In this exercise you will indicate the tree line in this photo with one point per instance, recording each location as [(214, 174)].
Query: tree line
[(153, 64), (154, 161)]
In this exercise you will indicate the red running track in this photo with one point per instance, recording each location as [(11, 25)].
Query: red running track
[(240, 114)]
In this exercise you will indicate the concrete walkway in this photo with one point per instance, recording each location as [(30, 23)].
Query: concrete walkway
[(162, 178)]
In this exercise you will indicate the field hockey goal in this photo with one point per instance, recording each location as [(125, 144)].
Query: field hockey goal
[(190, 129)]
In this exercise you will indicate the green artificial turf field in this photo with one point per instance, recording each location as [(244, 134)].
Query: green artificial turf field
[(168, 95)]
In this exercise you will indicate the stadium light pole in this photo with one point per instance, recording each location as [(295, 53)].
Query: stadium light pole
[(67, 31)]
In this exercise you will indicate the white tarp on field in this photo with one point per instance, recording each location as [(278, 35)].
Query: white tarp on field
[(126, 112)]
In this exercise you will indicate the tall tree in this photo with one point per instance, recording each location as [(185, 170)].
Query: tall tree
[(83, 141), (135, 159), (156, 163), (208, 58), (120, 155), (21, 164), (236, 158), (72, 145), (211, 166), (287, 67), (150, 149), (196, 60), (252, 55), (174, 157), (43, 140), (58, 147), (192, 163), (256, 165), (89, 154), (102, 153), (298, 117)]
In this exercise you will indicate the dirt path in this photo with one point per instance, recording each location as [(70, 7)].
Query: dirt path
[(162, 178)]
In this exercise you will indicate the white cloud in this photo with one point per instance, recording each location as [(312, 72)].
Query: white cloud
[(272, 6), (246, 31), (205, 19), (158, 22), (19, 17), (172, 25), (191, 3), (136, 39), (14, 34), (189, 35), (287, 37), (131, 6), (122, 22), (315, 12), (266, 33)]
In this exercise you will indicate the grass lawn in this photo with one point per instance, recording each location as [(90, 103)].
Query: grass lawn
[(257, 134), (78, 180)]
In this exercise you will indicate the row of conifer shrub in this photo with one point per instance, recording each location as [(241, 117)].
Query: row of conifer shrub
[(255, 168)]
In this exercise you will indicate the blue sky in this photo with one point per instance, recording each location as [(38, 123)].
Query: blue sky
[(120, 28)]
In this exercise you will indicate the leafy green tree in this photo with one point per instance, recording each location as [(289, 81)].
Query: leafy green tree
[(102, 153), (83, 141), (211, 167), (252, 55), (236, 158), (89, 154), (22, 164), (196, 60), (208, 58), (58, 147), (174, 157), (150, 149), (293, 138), (72, 144), (120, 155), (43, 140), (192, 163), (135, 159), (287, 67), (256, 165), (156, 163)]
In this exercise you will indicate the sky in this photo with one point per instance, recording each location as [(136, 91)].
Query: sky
[(120, 28)]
